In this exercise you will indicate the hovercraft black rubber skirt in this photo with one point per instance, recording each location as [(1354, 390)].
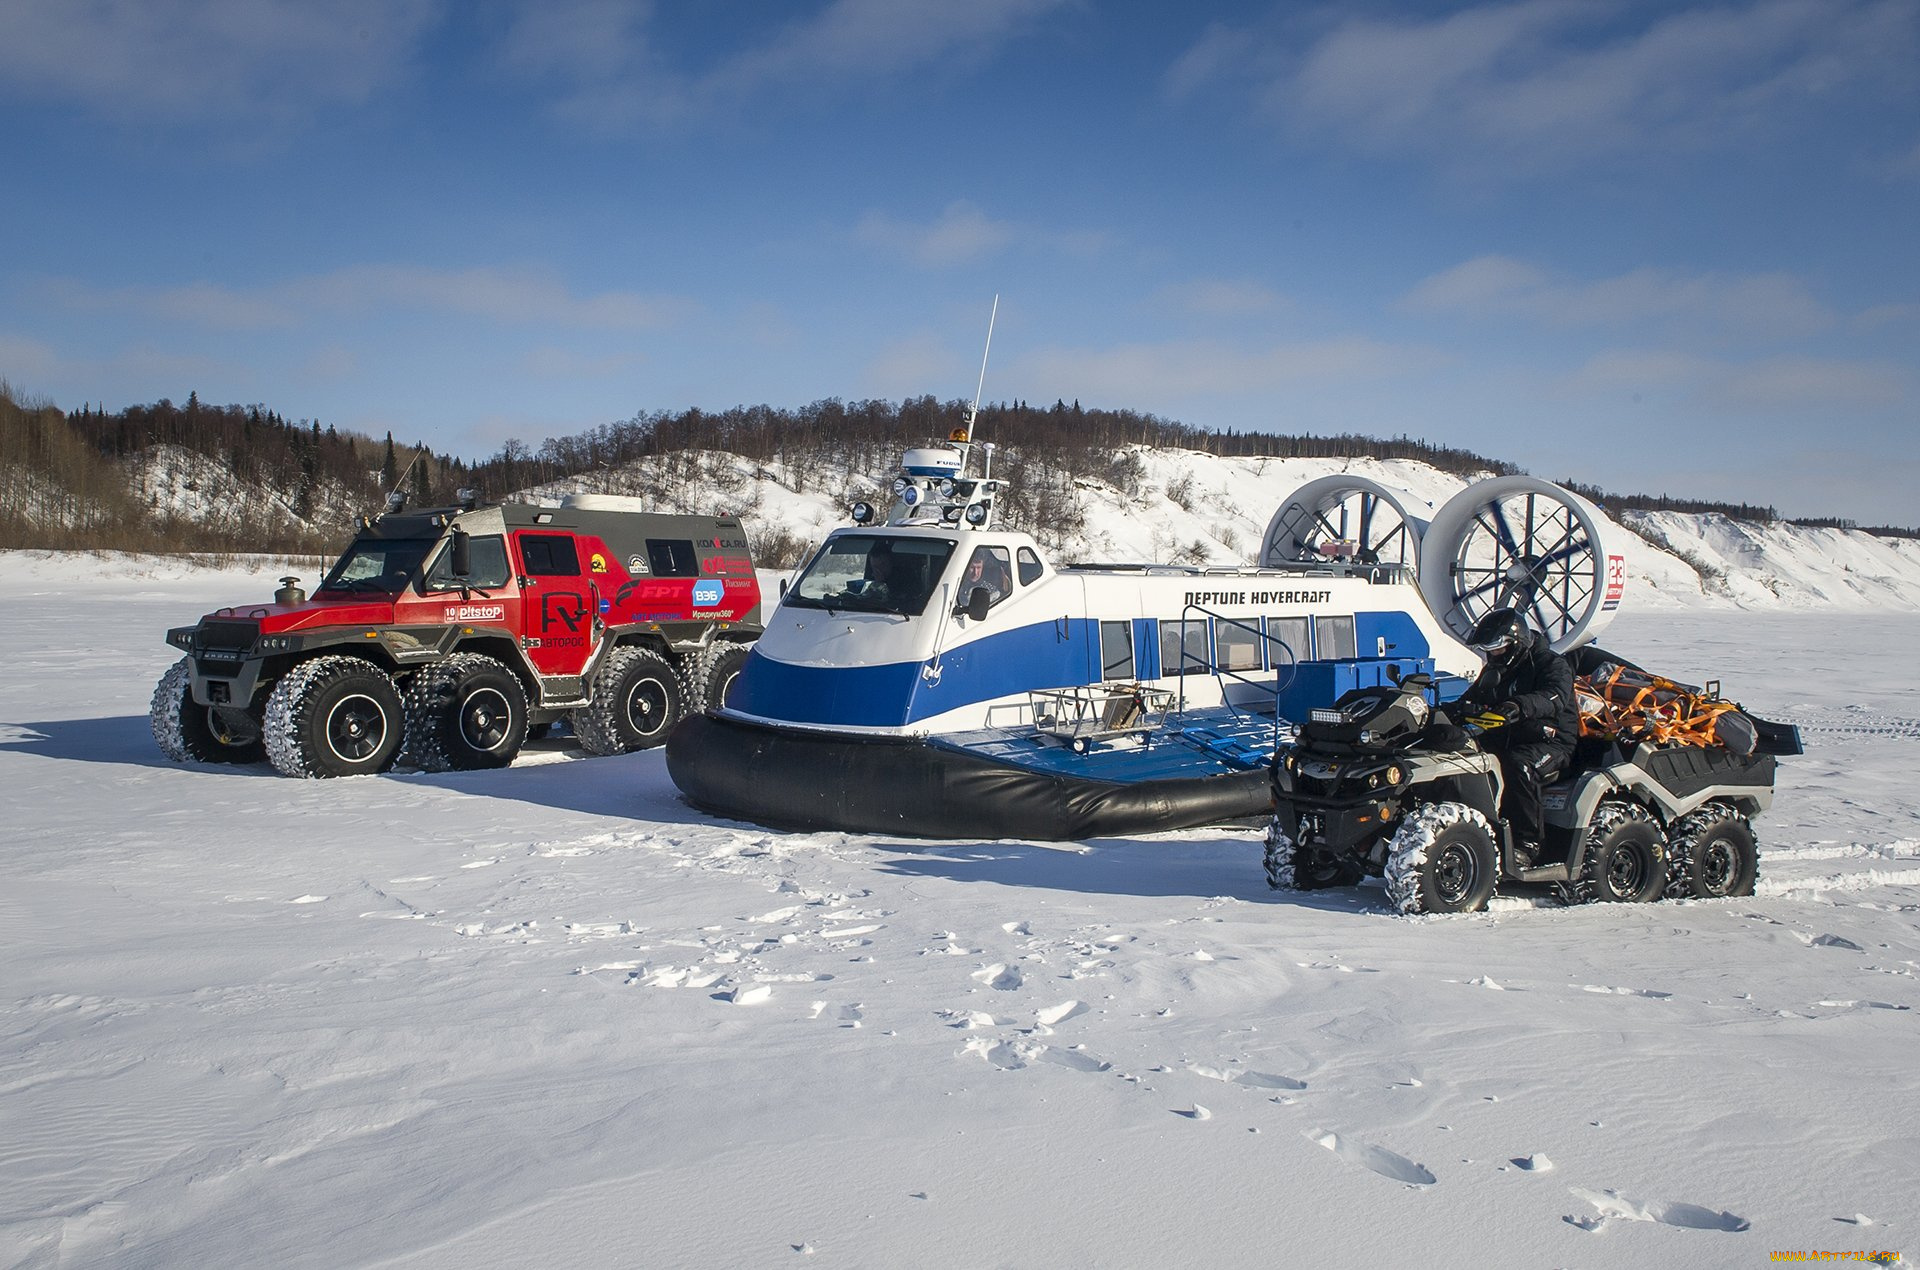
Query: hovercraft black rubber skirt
[(791, 778)]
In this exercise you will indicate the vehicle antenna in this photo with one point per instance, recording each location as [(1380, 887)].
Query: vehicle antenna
[(974, 413)]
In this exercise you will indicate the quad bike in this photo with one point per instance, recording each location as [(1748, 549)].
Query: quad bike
[(1383, 784)]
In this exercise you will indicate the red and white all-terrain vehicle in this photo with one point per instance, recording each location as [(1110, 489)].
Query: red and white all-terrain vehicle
[(442, 637)]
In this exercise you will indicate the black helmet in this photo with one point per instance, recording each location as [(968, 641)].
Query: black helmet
[(1499, 636)]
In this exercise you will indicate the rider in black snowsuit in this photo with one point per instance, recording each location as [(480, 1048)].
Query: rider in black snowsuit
[(1529, 684)]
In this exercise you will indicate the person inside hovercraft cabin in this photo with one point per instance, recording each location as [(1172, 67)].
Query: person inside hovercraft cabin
[(984, 570), (1529, 688)]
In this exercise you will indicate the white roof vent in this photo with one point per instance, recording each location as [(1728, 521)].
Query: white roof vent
[(604, 503)]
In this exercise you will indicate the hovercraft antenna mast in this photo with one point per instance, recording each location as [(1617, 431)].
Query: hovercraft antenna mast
[(973, 414)]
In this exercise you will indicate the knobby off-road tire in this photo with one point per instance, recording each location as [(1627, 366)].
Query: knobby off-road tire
[(188, 732), (1442, 859), (718, 670), (464, 714), (334, 716), (1288, 871), (1712, 854), (637, 698), (1626, 857)]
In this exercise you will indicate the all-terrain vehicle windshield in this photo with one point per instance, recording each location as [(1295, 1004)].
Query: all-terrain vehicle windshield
[(866, 573), (383, 565)]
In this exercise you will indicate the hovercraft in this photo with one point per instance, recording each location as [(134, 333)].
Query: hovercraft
[(929, 675)]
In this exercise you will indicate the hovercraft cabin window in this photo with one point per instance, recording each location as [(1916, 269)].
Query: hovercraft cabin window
[(1116, 650), (1030, 566), (672, 558), (1333, 638), (549, 556), (1288, 641), (1184, 657), (1238, 643)]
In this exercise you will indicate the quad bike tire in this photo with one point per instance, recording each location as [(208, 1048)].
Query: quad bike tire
[(1442, 859), (188, 732), (334, 716), (1712, 854), (717, 673), (1626, 860), (1286, 871), (467, 713), (636, 699)]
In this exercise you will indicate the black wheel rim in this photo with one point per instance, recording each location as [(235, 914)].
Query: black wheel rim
[(485, 719), (1626, 870), (356, 728), (1455, 873), (647, 707), (1717, 867)]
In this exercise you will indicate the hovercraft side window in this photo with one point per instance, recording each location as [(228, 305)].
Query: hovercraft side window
[(867, 573), (1334, 638), (1116, 650), (1287, 642), (1183, 648)]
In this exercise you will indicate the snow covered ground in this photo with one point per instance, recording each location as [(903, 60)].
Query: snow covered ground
[(553, 1016)]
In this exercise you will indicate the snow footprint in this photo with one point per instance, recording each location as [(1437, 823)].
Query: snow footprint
[(1386, 1163)]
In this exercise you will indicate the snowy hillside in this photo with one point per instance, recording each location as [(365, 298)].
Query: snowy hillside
[(553, 1016)]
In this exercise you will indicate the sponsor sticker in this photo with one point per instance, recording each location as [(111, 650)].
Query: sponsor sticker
[(637, 564), (475, 612), (1616, 582), (597, 562), (708, 593)]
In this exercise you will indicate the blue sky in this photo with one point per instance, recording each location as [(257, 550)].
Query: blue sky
[(1656, 247)]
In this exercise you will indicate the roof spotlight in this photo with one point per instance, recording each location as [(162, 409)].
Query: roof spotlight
[(946, 487), (396, 503), (910, 495), (862, 513), (977, 513), (950, 514), (899, 484)]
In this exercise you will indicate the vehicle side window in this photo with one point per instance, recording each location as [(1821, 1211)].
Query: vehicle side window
[(1116, 650), (1187, 659), (672, 558), (1239, 644), (487, 560), (1333, 637), (549, 556), (1287, 641), (1030, 566)]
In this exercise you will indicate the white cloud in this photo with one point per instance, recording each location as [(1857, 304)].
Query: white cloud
[(197, 59), (511, 297), (1552, 82), (23, 360), (563, 363), (1766, 305), (911, 366)]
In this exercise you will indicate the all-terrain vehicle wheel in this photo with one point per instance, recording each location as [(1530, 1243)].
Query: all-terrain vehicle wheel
[(1442, 860), (1626, 857), (1291, 869), (636, 699), (464, 714), (1712, 854), (722, 667), (187, 731), (334, 716)]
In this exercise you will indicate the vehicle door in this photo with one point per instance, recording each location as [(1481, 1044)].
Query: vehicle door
[(487, 596), (560, 619)]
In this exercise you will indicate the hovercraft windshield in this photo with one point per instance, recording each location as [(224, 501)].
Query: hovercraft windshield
[(872, 573)]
